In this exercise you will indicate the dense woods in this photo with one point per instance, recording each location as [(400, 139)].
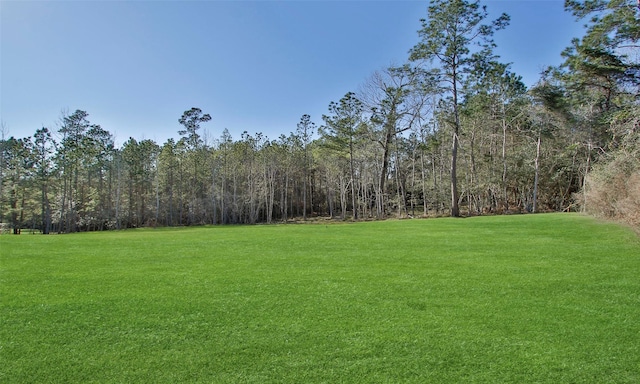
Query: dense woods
[(452, 132)]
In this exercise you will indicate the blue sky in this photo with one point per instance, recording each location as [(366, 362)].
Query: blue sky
[(256, 66)]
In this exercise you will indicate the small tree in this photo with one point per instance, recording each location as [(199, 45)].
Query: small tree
[(305, 131), (44, 147), (397, 97), (194, 146), (453, 27), (341, 132)]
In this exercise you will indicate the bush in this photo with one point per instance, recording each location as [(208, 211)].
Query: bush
[(613, 188)]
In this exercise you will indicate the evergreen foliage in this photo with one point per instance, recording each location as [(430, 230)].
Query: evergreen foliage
[(453, 130)]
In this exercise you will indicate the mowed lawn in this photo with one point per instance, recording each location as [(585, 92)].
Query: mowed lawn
[(551, 298)]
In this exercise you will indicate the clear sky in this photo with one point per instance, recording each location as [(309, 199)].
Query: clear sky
[(256, 66)]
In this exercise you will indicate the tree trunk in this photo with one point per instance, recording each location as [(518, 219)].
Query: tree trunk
[(455, 209), (390, 129), (584, 179), (353, 182), (504, 161), (535, 179)]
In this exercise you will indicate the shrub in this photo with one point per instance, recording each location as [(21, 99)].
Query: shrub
[(613, 187)]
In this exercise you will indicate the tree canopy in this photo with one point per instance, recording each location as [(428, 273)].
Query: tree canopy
[(453, 131)]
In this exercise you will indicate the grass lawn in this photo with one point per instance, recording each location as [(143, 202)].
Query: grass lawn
[(551, 298)]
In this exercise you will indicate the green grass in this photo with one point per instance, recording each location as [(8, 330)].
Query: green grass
[(509, 299)]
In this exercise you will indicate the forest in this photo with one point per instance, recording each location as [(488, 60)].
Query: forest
[(453, 132)]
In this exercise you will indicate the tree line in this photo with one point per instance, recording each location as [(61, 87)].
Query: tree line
[(453, 131)]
